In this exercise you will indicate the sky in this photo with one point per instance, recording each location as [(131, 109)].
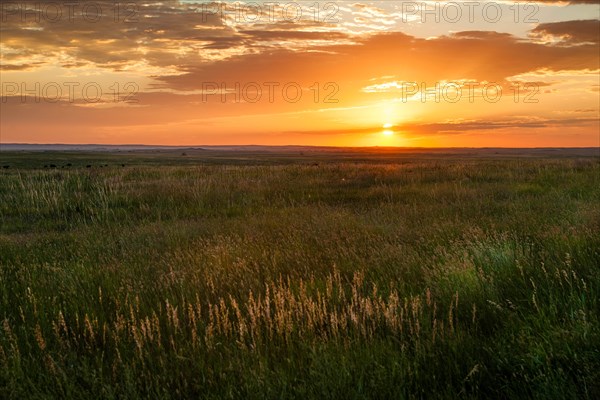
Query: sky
[(326, 73)]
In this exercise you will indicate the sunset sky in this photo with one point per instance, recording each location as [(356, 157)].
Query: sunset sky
[(340, 73)]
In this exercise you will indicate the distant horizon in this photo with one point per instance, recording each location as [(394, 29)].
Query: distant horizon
[(199, 146)]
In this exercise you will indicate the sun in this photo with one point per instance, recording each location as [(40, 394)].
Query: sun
[(386, 130)]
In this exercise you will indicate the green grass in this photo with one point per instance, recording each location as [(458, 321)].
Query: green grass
[(274, 278)]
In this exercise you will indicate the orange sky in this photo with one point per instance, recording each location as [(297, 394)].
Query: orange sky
[(343, 73)]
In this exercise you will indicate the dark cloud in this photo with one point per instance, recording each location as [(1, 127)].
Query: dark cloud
[(19, 67), (484, 35), (165, 33), (459, 127), (571, 32), (295, 34), (153, 31)]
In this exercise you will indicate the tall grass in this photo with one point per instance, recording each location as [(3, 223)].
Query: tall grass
[(433, 279)]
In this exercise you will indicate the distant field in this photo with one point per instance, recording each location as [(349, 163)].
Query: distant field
[(300, 273), (80, 156)]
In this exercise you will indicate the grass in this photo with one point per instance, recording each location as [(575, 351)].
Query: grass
[(346, 277)]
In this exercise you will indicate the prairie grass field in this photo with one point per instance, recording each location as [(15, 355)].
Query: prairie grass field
[(300, 275)]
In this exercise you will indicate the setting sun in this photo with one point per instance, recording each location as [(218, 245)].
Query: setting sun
[(387, 131)]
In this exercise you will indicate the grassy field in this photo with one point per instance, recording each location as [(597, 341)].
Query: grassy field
[(299, 275)]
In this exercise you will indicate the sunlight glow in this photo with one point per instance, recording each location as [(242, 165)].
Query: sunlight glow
[(386, 129)]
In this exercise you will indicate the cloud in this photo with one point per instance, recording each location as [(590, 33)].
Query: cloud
[(348, 62), (98, 34), (459, 127), (559, 2), (175, 50), (485, 125), (473, 55), (162, 34), (569, 32)]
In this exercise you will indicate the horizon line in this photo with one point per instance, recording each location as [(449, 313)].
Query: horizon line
[(290, 145)]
